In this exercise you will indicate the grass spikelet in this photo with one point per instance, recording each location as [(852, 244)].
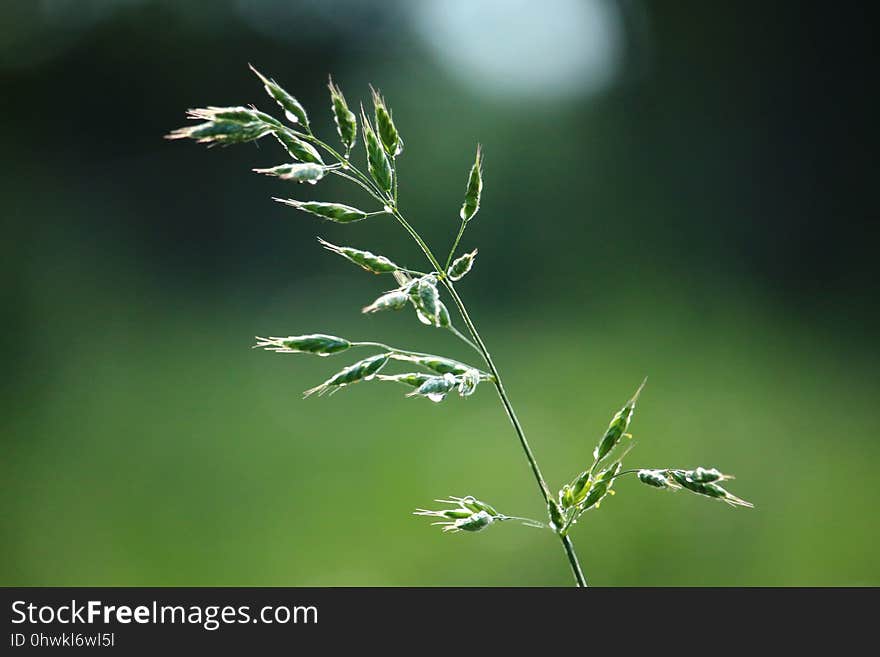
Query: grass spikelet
[(346, 121), (363, 370), (474, 189), (388, 134), (462, 265), (378, 163), (435, 388), (302, 172), (375, 264), (438, 364), (617, 428), (338, 212), (297, 149), (394, 300), (293, 111), (317, 344)]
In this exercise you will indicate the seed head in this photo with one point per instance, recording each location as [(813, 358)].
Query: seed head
[(346, 121), (375, 264), (474, 188), (223, 132), (426, 299), (600, 488), (576, 490), (707, 475), (438, 364), (315, 343), (617, 428), (293, 111), (343, 214), (684, 478), (412, 379), (363, 370), (394, 300), (304, 172), (462, 265), (298, 149), (435, 388), (377, 159), (467, 514), (655, 478), (388, 134), (557, 518), (468, 382)]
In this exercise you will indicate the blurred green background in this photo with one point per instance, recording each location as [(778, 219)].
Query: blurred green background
[(681, 190)]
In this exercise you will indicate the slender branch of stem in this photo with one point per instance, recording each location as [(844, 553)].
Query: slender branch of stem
[(502, 393), (357, 181), (403, 352), (528, 522), (461, 336), (455, 245)]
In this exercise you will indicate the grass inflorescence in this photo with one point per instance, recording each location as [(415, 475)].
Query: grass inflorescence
[(430, 376)]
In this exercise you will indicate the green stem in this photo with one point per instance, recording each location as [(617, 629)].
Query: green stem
[(484, 352), (461, 336), (573, 561), (499, 386), (455, 245)]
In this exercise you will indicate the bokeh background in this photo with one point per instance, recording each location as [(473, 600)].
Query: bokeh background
[(682, 190)]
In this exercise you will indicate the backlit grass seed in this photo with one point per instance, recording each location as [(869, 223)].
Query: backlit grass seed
[(655, 478), (468, 383), (388, 134), (473, 523), (297, 149), (222, 132), (293, 111), (426, 299), (435, 388), (601, 488), (297, 172), (375, 264), (378, 164), (557, 518), (712, 490), (474, 188), (467, 514), (394, 300), (438, 364), (617, 428), (343, 214), (412, 379), (363, 370), (462, 265), (346, 121), (706, 475), (317, 344), (473, 504)]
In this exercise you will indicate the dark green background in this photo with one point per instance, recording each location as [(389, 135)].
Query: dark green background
[(707, 218)]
